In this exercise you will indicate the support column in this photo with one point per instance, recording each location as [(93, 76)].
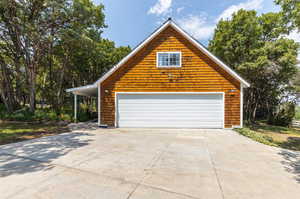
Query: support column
[(75, 108)]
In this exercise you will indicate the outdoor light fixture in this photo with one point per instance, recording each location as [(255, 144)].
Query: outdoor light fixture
[(231, 92)]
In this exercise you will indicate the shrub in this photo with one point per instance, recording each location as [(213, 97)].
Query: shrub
[(284, 115), (66, 117), (45, 114), (20, 115), (83, 116), (52, 116)]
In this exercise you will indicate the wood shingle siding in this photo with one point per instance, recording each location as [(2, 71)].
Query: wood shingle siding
[(198, 73)]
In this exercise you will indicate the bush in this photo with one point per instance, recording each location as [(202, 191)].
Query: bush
[(284, 116), (83, 116), (20, 115), (46, 114), (25, 115), (66, 117)]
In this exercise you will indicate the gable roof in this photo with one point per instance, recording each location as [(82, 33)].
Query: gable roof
[(92, 88), (202, 48)]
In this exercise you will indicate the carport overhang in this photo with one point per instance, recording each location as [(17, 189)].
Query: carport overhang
[(88, 91)]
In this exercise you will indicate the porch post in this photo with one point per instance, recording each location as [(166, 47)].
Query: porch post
[(75, 107)]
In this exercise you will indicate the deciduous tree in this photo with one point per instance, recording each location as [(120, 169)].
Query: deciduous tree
[(253, 45)]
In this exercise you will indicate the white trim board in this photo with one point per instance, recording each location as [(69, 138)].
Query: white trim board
[(161, 52), (241, 106), (187, 36), (81, 88), (167, 93)]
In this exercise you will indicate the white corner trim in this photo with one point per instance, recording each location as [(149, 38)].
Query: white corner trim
[(187, 36), (99, 105), (241, 106)]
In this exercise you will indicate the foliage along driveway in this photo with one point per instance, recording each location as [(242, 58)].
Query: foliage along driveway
[(148, 163)]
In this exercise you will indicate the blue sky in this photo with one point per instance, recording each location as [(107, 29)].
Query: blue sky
[(131, 21)]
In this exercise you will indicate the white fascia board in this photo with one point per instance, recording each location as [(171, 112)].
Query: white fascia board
[(187, 36), (212, 56), (139, 47), (81, 88)]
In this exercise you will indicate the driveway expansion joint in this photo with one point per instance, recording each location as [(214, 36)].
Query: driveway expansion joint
[(215, 170), (152, 164)]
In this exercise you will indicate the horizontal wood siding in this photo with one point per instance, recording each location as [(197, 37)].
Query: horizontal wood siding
[(197, 74)]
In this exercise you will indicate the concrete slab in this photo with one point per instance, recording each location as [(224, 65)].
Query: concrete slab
[(20, 174), (148, 163), (74, 183)]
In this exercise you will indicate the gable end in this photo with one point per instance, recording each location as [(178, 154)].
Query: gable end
[(198, 45)]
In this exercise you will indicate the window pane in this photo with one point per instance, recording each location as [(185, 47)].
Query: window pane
[(174, 59), (163, 59), (169, 59)]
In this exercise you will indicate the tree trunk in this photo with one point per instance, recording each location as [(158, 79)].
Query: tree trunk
[(6, 89), (32, 102)]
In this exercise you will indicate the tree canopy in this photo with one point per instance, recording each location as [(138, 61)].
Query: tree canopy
[(253, 45), (47, 46)]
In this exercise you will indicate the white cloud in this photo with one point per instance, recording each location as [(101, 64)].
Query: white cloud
[(200, 28), (197, 26), (248, 5), (162, 7), (295, 36), (178, 10)]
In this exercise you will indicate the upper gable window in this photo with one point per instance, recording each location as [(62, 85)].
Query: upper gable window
[(168, 59)]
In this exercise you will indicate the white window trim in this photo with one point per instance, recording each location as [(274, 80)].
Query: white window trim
[(161, 52)]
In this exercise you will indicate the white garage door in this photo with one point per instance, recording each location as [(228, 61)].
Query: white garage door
[(170, 110)]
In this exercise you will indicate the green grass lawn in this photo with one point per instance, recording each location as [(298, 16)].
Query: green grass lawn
[(19, 131), (285, 137)]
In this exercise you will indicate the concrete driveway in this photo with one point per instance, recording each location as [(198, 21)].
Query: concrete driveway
[(148, 163)]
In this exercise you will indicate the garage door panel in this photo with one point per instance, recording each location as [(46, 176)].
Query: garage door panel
[(192, 124), (171, 120), (171, 101), (170, 107), (170, 110), (170, 115), (156, 97)]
